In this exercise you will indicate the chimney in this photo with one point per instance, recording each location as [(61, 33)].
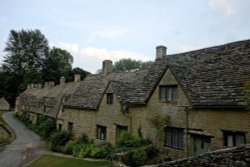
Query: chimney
[(62, 81), (46, 84), (107, 67), (29, 86), (77, 78), (51, 84), (161, 51), (39, 86)]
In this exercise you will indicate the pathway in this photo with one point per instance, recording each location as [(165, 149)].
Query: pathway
[(26, 147)]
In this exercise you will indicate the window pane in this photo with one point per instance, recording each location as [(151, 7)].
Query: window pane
[(230, 142), (174, 137), (239, 139), (162, 93)]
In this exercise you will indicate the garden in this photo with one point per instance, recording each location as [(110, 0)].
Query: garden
[(131, 150)]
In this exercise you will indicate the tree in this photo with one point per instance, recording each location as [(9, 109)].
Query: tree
[(26, 52), (58, 63), (129, 64)]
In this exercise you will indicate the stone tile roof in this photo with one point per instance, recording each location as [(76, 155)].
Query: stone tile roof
[(92, 89), (36, 99), (213, 76)]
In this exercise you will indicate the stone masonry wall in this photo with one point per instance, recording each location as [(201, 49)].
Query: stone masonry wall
[(233, 157)]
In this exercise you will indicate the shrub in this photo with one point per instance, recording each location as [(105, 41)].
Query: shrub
[(91, 151), (59, 139), (128, 140), (46, 127), (139, 157), (68, 148)]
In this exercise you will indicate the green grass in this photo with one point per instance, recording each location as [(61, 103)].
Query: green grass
[(55, 161), (1, 119), (3, 141)]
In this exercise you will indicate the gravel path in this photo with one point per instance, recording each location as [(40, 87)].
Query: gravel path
[(26, 147)]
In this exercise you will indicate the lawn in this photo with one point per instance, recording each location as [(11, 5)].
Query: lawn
[(56, 161)]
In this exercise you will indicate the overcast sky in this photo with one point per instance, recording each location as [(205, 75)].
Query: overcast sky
[(95, 30)]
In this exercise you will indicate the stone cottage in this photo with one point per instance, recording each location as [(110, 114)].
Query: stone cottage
[(4, 105), (200, 92)]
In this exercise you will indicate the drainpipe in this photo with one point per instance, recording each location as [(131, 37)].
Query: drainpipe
[(186, 131)]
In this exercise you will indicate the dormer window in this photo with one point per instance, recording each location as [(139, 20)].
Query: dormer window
[(168, 92), (110, 98)]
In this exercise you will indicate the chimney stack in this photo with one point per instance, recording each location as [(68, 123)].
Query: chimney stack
[(62, 81), (77, 78), (161, 51), (107, 67)]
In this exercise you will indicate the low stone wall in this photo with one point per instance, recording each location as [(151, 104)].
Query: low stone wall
[(233, 157)]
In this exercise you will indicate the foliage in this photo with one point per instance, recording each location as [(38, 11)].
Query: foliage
[(45, 126), (247, 94), (26, 50), (128, 140), (29, 59), (90, 150), (129, 64), (58, 63), (23, 117), (59, 139), (139, 156), (74, 71), (159, 121), (55, 161)]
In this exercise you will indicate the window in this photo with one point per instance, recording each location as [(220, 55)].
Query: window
[(232, 139), (174, 137), (168, 93), (110, 98), (101, 132), (70, 126)]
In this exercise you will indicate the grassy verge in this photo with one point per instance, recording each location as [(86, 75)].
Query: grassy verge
[(5, 140), (55, 161), (1, 118)]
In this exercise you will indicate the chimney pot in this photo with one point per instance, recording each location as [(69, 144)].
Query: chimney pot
[(62, 80), (161, 51), (77, 78)]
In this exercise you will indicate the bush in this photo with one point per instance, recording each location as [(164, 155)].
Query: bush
[(139, 157), (68, 148), (46, 127), (91, 151), (59, 139), (128, 140)]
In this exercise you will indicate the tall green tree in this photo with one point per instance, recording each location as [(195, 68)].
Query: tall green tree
[(26, 52), (59, 63), (129, 64)]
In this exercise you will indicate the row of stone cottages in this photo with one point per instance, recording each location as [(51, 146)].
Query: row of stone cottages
[(201, 92)]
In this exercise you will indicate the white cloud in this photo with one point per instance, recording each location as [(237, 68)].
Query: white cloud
[(71, 47), (114, 55), (227, 7)]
